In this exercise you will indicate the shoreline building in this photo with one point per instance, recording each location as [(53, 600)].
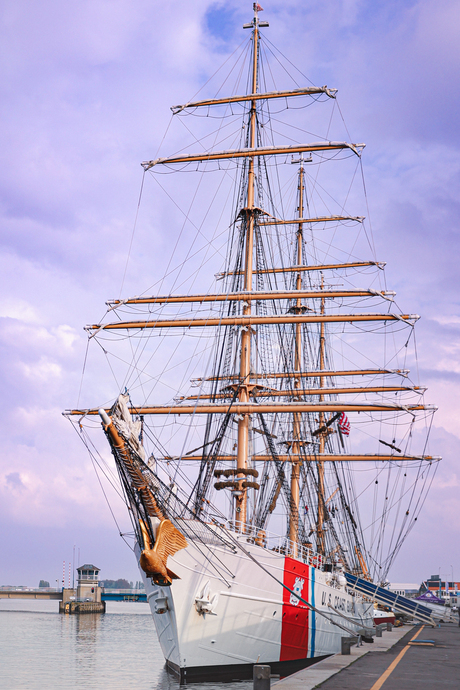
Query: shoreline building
[(88, 596)]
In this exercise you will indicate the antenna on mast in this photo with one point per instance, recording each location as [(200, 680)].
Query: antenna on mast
[(255, 22), (301, 159)]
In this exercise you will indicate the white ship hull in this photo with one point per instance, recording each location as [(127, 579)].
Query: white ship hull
[(252, 618)]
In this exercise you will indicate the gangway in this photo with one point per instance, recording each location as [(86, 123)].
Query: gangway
[(387, 598)]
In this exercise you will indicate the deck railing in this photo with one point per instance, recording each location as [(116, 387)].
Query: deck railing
[(279, 543)]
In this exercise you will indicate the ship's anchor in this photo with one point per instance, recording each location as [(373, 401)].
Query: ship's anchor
[(204, 603)]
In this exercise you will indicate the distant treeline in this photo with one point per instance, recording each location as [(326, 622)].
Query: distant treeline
[(108, 584), (116, 584), (120, 584)]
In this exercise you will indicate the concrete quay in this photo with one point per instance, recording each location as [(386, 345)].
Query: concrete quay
[(411, 657), (81, 607), (30, 594)]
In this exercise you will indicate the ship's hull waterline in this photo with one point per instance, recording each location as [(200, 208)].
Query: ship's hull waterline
[(246, 616)]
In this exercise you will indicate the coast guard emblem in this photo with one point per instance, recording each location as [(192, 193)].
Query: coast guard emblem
[(298, 587)]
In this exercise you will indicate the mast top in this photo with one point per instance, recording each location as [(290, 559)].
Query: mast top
[(256, 22)]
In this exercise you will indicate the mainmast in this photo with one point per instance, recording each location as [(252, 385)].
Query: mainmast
[(296, 444), (295, 468), (246, 332)]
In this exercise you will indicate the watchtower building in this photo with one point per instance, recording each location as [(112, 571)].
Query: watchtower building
[(88, 586)]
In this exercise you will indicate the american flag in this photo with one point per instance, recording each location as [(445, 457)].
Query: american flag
[(344, 424)]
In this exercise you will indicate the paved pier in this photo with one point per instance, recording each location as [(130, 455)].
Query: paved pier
[(411, 658)]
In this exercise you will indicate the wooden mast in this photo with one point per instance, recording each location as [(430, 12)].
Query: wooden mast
[(296, 435), (320, 546), (241, 495)]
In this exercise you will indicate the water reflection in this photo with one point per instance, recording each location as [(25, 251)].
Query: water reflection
[(86, 627), (87, 653)]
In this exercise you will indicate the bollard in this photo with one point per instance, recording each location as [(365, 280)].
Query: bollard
[(389, 627), (378, 631), (347, 643), (261, 677)]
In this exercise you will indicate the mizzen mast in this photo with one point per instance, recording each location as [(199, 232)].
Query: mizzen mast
[(320, 545)]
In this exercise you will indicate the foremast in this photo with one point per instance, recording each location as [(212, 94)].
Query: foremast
[(241, 496)]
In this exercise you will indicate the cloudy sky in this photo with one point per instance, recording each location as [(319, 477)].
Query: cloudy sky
[(85, 91)]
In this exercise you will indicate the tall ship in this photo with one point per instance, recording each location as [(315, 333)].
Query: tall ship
[(271, 491)]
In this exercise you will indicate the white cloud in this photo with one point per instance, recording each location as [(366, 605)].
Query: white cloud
[(18, 309), (43, 370), (447, 320)]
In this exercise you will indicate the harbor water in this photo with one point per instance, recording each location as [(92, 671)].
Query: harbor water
[(41, 649)]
